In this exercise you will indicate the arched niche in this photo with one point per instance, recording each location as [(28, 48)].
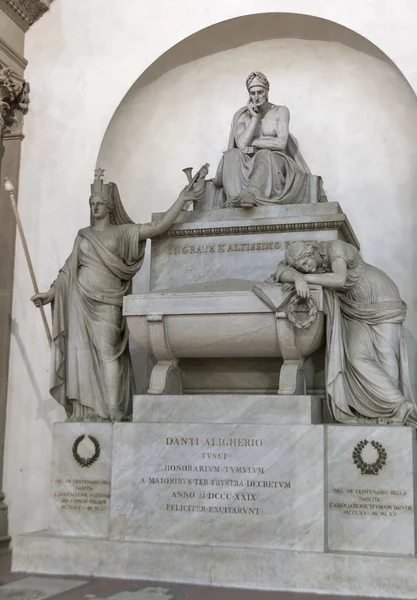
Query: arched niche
[(352, 111)]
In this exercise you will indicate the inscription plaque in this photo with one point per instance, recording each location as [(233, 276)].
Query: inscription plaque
[(81, 479), (370, 509), (237, 484)]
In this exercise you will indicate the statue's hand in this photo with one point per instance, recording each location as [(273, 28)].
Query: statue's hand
[(252, 110), (301, 286), (195, 193), (43, 298)]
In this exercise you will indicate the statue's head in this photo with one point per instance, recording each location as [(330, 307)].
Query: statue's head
[(101, 201), (105, 200), (257, 85), (302, 256), (100, 206)]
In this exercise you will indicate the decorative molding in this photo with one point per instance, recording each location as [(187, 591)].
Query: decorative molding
[(14, 102), (86, 462), (10, 137), (25, 12), (365, 467), (340, 224), (19, 60)]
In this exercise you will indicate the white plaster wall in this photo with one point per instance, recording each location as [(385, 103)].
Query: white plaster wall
[(83, 58)]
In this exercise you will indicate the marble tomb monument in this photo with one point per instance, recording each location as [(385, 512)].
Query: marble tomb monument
[(276, 445)]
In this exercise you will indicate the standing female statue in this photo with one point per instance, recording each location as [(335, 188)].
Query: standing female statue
[(366, 357), (91, 375), (263, 165)]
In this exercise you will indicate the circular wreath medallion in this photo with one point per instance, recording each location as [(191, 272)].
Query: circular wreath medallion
[(313, 309), (367, 468), (86, 462)]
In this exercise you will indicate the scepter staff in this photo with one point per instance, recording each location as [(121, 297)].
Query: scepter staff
[(9, 187)]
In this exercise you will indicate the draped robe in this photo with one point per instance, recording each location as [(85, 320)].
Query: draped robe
[(366, 356), (88, 327)]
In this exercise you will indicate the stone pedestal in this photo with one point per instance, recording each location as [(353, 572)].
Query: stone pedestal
[(233, 490)]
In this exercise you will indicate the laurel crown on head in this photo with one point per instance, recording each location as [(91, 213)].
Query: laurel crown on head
[(257, 78)]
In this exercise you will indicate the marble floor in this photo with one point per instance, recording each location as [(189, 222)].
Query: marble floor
[(23, 586)]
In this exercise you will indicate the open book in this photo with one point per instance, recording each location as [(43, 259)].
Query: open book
[(272, 295)]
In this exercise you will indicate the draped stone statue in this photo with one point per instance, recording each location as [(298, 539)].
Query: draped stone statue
[(91, 374), (366, 357), (263, 164)]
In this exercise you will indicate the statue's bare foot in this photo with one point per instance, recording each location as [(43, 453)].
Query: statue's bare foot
[(115, 415), (246, 201)]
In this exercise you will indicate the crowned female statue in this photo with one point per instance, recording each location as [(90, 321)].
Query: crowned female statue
[(91, 375), (366, 356), (263, 164)]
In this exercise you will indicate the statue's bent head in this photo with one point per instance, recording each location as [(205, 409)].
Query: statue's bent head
[(301, 256), (258, 87)]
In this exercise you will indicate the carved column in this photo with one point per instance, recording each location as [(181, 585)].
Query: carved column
[(13, 105)]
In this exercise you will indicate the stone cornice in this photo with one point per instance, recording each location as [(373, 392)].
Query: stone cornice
[(25, 12), (339, 222)]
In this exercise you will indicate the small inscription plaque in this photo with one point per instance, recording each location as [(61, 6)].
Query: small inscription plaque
[(82, 494), (370, 498), (260, 246), (371, 502), (81, 479)]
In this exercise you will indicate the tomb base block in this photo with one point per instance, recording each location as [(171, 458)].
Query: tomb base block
[(232, 490), (237, 567)]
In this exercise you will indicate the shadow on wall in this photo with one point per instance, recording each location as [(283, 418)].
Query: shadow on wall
[(254, 28)]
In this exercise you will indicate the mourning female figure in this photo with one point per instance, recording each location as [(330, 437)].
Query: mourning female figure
[(91, 374), (366, 358)]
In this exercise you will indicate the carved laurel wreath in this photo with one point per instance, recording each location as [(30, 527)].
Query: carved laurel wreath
[(365, 467), (86, 462), (313, 309)]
